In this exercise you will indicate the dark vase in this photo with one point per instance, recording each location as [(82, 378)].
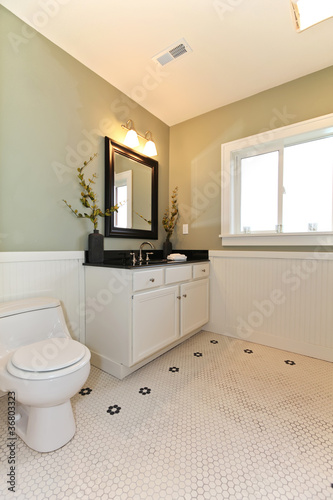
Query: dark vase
[(167, 248), (95, 247)]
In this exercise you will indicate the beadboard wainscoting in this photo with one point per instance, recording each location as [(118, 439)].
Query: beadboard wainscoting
[(47, 274), (278, 299)]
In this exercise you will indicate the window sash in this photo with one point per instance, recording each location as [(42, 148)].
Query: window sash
[(237, 187)]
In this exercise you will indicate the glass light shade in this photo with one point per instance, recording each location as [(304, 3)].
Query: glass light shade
[(131, 139), (150, 149)]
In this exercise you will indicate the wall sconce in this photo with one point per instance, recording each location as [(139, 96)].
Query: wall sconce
[(132, 141), (150, 148)]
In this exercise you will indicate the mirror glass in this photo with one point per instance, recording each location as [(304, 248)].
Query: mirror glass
[(131, 183)]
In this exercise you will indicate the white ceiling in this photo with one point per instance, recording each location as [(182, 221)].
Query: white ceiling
[(240, 47)]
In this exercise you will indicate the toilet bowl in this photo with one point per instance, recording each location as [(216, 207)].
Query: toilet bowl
[(43, 367)]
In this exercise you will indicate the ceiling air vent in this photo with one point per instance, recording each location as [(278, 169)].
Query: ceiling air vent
[(176, 50)]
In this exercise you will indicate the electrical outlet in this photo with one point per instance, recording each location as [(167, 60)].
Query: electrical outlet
[(185, 228)]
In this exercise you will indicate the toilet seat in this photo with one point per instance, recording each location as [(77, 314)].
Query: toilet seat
[(48, 359), (48, 355)]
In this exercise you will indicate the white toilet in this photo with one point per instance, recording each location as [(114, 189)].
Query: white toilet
[(44, 367)]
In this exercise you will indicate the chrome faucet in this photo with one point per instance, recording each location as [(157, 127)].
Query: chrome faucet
[(141, 247)]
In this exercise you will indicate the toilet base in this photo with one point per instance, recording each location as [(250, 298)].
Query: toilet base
[(45, 429)]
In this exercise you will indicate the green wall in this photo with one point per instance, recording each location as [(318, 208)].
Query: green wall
[(195, 149), (54, 114)]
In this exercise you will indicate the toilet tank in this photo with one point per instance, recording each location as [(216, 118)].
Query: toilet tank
[(26, 321)]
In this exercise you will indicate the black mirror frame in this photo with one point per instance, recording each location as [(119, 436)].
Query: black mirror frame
[(112, 147)]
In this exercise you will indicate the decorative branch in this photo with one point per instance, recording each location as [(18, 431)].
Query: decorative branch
[(89, 199), (170, 217), (142, 217)]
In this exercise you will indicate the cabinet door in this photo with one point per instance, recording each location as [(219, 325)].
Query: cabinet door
[(194, 305), (155, 321)]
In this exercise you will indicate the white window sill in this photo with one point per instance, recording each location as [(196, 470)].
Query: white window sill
[(278, 239)]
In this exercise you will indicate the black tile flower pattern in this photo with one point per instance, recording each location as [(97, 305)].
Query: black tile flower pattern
[(243, 393), (113, 410), (144, 391), (214, 341), (85, 392)]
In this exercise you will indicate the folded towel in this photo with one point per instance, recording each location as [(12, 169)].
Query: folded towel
[(177, 256)]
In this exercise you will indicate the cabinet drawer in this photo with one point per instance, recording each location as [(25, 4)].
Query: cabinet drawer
[(201, 270), (177, 273), (144, 280)]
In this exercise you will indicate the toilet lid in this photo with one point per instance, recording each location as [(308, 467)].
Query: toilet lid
[(48, 355)]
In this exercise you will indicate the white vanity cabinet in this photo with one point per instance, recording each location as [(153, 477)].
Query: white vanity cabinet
[(155, 321), (194, 305), (134, 315)]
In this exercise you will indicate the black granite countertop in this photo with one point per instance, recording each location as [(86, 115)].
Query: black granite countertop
[(123, 259)]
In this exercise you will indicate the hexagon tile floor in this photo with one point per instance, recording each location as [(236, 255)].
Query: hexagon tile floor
[(214, 418)]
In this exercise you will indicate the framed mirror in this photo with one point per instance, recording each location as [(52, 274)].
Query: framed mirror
[(131, 181)]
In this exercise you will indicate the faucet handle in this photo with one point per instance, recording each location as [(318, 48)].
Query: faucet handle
[(147, 256), (134, 258)]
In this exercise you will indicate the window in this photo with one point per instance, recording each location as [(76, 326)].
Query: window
[(310, 12), (259, 187), (123, 198), (279, 191), (307, 183)]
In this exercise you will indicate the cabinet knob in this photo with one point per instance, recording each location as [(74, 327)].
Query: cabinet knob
[(152, 280), (203, 270), (184, 295), (178, 297)]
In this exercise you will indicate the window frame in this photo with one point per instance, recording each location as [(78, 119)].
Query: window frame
[(122, 179), (271, 140)]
